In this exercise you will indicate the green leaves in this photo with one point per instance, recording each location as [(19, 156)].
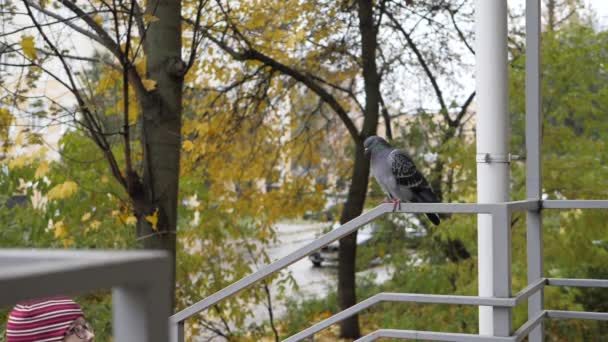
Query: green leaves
[(575, 133)]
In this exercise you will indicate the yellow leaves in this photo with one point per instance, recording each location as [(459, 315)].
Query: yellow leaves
[(109, 80), (140, 66), (5, 116), (325, 314), (6, 120), (149, 84), (19, 139), (187, 145), (131, 220), (105, 179), (319, 187), (149, 18), (28, 47), (263, 234), (296, 38), (258, 20), (43, 169), (98, 19), (60, 230), (19, 162), (134, 109), (85, 217), (94, 225), (25, 159), (153, 219), (63, 190)]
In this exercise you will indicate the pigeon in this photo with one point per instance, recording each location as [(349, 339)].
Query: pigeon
[(397, 175)]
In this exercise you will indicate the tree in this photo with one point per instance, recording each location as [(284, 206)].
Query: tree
[(143, 47), (322, 61)]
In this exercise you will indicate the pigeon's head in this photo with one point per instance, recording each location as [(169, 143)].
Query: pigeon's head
[(374, 143)]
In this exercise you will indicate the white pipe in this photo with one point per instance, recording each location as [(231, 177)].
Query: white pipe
[(492, 133)]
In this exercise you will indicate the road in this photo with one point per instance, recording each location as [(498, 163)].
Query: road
[(312, 281)]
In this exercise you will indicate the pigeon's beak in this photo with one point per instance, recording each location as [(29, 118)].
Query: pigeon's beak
[(366, 151)]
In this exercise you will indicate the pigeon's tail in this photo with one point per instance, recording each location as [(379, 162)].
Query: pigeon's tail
[(434, 218)]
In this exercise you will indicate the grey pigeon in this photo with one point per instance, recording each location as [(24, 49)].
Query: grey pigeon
[(397, 175)]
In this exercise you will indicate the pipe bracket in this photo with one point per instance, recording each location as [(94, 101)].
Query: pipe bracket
[(489, 158)]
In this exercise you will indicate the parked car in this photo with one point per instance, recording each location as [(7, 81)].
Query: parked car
[(329, 253)]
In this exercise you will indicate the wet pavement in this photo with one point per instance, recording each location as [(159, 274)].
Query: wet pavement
[(312, 281)]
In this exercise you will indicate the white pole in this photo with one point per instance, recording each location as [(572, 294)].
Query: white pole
[(492, 134), (533, 160)]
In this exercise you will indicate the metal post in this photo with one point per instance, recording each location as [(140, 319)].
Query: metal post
[(140, 313), (176, 331), (501, 249), (533, 160), (492, 135)]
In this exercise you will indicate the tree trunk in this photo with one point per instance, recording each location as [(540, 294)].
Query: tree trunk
[(161, 131), (349, 328)]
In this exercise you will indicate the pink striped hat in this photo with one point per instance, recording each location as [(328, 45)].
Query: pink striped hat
[(42, 320)]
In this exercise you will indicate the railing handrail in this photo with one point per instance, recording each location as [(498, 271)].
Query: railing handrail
[(140, 283), (336, 234), (278, 265), (419, 298), (178, 319)]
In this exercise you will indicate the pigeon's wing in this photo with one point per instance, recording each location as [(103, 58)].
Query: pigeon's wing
[(404, 170), (407, 175)]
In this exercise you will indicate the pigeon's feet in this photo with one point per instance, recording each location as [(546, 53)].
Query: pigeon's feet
[(396, 204), (395, 201)]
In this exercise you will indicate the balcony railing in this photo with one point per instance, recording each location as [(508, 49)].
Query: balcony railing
[(140, 283), (502, 301)]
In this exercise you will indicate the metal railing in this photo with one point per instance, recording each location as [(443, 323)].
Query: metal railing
[(140, 283), (502, 300)]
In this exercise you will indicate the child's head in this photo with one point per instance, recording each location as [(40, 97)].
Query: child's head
[(49, 319)]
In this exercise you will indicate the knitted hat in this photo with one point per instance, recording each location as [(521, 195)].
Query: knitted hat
[(42, 320)]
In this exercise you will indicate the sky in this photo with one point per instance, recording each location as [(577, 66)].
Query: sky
[(601, 7)]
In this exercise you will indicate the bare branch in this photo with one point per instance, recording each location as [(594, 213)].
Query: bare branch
[(109, 44), (139, 20), (425, 67), (460, 33), (105, 38), (255, 55), (27, 27), (349, 92), (67, 22), (196, 35), (464, 109), (92, 126), (387, 119), (83, 58), (130, 174), (270, 312)]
